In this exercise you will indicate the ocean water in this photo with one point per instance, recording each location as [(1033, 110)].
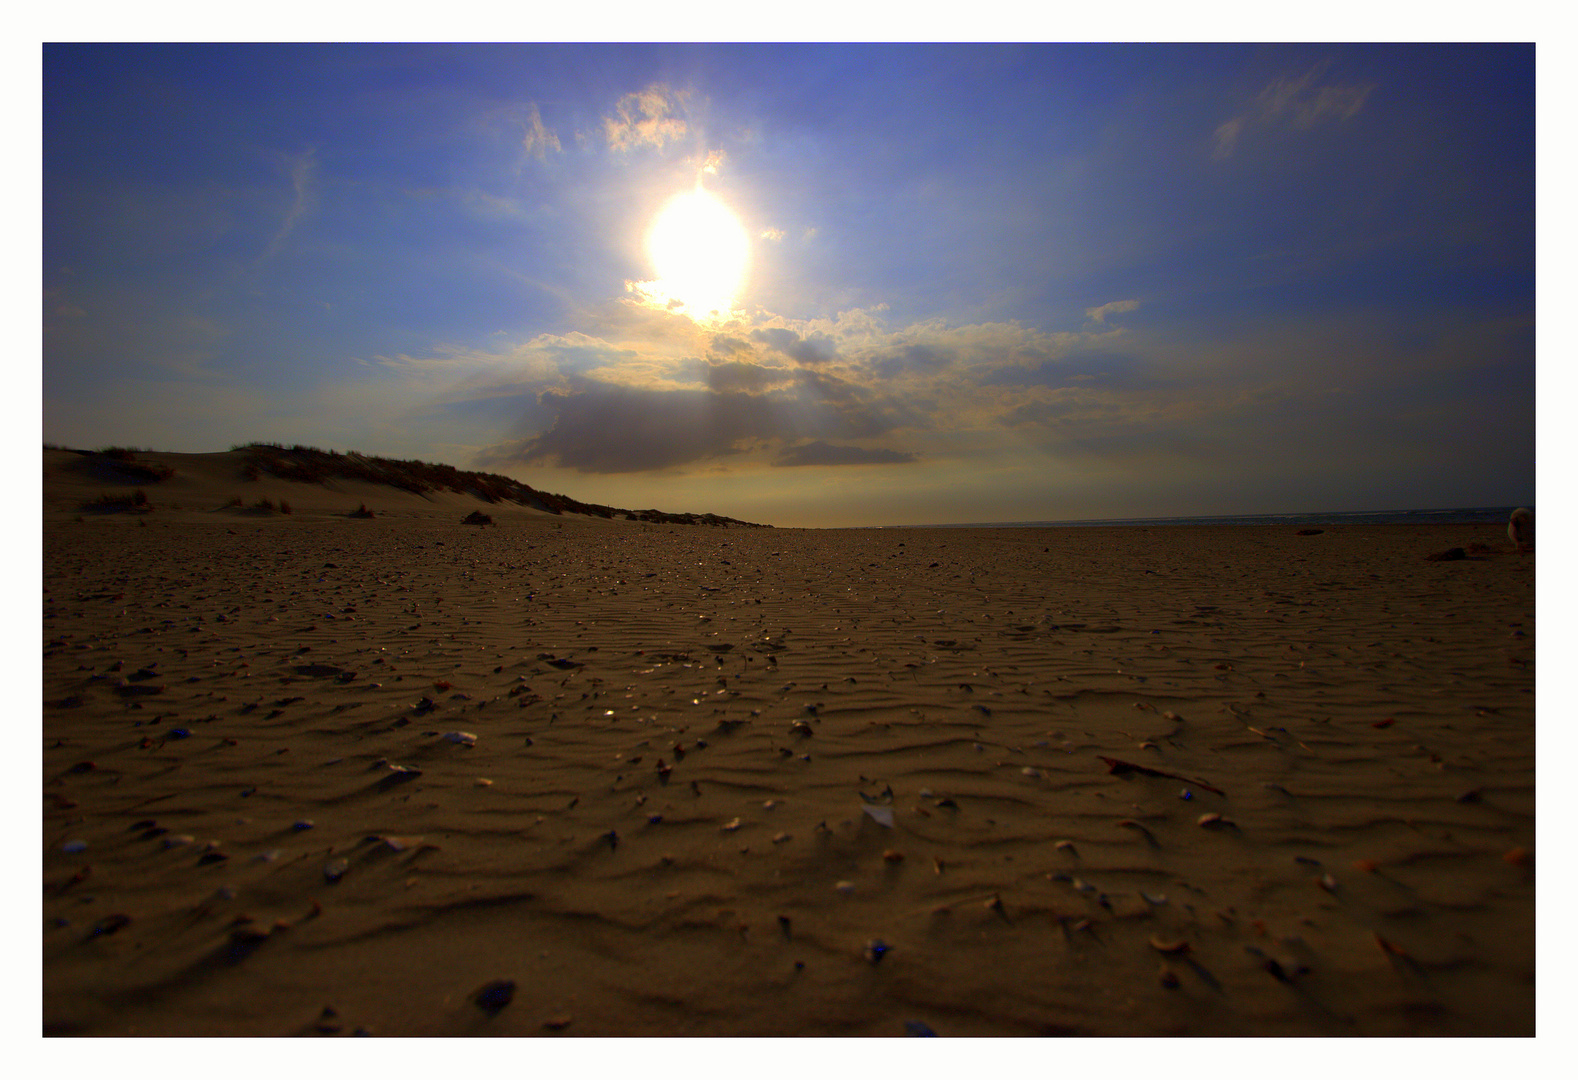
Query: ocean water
[(1458, 516)]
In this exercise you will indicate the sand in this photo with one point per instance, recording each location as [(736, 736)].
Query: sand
[(775, 782)]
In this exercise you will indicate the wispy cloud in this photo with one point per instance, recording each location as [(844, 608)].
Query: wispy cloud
[(775, 235), (538, 140), (647, 118), (1117, 307), (303, 169), (1299, 101)]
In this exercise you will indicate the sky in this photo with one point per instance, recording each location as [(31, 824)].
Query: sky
[(977, 282)]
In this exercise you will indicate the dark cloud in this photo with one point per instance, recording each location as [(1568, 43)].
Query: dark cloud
[(847, 411), (811, 349), (602, 428), (823, 453), (728, 345), (733, 375)]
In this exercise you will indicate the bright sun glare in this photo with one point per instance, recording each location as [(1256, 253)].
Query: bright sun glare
[(699, 250)]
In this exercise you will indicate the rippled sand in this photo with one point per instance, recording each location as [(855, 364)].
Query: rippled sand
[(642, 841)]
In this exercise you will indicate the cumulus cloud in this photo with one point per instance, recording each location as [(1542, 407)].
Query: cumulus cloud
[(824, 453), (1117, 307), (813, 348), (538, 140), (646, 118), (1301, 101)]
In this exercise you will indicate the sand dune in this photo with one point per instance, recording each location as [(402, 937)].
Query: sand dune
[(261, 794)]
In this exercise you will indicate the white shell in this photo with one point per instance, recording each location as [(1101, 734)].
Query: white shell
[(882, 815)]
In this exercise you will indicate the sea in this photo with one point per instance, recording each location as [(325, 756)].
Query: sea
[(1460, 516)]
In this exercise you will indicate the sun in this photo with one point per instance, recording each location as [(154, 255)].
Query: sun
[(700, 251)]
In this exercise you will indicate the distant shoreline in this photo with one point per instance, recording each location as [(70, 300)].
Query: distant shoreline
[(1460, 516)]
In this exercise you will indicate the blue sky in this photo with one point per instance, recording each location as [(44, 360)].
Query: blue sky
[(985, 283)]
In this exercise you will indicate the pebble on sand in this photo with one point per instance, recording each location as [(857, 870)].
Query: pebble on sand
[(492, 997)]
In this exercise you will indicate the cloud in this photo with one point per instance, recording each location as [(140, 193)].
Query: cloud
[(775, 235), (728, 345), (1117, 307), (538, 140), (846, 409), (303, 170), (731, 375), (1299, 101), (645, 119), (637, 391), (912, 358), (602, 428), (814, 348), (823, 453)]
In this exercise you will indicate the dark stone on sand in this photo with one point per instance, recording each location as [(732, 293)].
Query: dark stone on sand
[(243, 943), (109, 924), (1309, 532), (495, 995), (477, 517), (139, 690), (398, 774), (318, 670), (1449, 555)]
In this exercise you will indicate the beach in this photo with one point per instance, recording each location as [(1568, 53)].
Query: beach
[(564, 776)]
